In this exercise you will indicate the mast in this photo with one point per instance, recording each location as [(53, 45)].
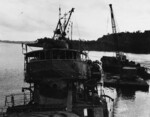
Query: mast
[(114, 31)]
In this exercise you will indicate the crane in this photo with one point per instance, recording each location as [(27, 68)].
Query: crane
[(114, 31), (61, 27)]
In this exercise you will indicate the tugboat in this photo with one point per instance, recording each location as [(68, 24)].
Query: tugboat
[(62, 81), (115, 64)]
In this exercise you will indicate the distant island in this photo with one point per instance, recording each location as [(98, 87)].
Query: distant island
[(15, 42), (136, 42)]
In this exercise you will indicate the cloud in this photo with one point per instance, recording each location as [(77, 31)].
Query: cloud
[(23, 16), (26, 16), (31, 18)]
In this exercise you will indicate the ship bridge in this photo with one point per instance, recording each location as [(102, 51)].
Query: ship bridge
[(44, 65)]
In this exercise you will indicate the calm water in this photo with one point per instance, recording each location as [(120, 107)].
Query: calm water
[(11, 70), (127, 103)]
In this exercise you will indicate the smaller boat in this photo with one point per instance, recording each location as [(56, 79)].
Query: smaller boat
[(128, 78), (114, 65)]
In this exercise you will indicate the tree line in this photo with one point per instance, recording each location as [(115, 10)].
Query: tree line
[(136, 42)]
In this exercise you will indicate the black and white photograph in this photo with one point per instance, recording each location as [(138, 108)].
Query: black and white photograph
[(74, 58)]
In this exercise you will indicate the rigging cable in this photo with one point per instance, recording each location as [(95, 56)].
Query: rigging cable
[(77, 27)]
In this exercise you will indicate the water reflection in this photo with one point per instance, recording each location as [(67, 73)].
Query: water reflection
[(126, 93), (129, 102)]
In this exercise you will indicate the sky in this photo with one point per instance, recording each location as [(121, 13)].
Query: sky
[(28, 20)]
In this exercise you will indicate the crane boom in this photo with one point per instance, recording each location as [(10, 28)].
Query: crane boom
[(72, 10), (112, 20), (114, 31)]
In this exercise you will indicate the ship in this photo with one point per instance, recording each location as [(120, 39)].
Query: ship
[(115, 64), (63, 82), (119, 71)]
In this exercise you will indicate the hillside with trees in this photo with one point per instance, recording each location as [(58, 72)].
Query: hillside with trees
[(136, 42)]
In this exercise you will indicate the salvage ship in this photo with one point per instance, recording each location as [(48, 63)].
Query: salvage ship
[(119, 71), (115, 64), (62, 81)]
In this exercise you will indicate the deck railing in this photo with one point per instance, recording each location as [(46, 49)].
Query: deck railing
[(3, 111), (17, 99), (14, 100)]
